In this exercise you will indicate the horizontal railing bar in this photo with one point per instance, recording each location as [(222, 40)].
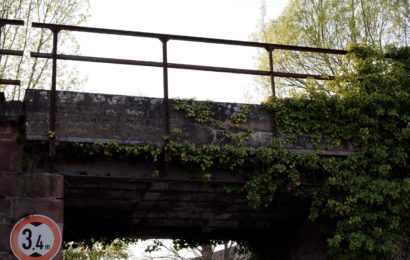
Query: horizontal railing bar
[(145, 34), (186, 38), (10, 82), (302, 76), (11, 22), (147, 63), (307, 49), (11, 52), (218, 69), (178, 66), (249, 72), (96, 59)]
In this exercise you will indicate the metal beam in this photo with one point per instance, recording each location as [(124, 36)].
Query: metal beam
[(10, 22), (10, 82), (179, 66), (11, 52), (186, 38)]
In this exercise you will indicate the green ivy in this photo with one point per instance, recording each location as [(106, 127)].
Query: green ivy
[(110, 150), (201, 112), (361, 202), (367, 194)]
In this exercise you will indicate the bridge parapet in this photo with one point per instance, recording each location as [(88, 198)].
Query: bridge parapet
[(91, 117), (86, 117)]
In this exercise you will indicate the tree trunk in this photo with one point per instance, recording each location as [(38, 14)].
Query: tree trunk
[(206, 252)]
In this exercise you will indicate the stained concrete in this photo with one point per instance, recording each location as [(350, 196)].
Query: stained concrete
[(87, 117)]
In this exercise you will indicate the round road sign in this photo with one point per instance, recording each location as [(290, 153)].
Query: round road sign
[(35, 237)]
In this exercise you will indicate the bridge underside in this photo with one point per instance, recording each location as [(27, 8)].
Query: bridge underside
[(117, 199)]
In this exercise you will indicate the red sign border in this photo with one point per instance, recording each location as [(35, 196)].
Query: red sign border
[(35, 218)]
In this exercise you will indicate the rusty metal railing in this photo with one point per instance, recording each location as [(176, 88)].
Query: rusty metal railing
[(4, 22), (165, 38)]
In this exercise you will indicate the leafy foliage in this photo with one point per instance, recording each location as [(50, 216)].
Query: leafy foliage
[(201, 112), (361, 201), (34, 72), (330, 24), (115, 249), (367, 194)]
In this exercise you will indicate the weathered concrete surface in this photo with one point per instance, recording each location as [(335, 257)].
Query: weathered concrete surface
[(85, 117)]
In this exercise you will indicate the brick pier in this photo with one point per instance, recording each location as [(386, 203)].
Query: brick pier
[(22, 193)]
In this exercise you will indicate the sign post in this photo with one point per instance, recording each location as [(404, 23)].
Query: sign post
[(35, 237)]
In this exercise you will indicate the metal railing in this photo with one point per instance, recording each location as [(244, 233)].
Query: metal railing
[(165, 65), (4, 22)]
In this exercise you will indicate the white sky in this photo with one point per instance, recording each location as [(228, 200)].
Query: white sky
[(226, 19)]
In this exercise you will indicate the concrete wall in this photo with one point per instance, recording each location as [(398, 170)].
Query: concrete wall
[(85, 117)]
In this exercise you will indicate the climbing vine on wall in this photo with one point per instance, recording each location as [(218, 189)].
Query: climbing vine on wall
[(362, 202), (201, 112), (367, 194)]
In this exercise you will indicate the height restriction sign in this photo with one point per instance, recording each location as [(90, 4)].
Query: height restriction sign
[(35, 237)]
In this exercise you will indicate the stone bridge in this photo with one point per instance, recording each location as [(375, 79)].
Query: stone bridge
[(118, 198)]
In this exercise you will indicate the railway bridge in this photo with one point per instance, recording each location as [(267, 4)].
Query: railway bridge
[(91, 196), (41, 171)]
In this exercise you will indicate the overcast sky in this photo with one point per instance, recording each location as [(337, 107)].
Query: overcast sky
[(226, 19), (231, 19)]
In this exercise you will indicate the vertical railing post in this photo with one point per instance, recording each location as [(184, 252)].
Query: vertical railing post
[(270, 50), (272, 77), (2, 23), (165, 118), (53, 100)]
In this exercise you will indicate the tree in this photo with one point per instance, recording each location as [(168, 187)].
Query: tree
[(115, 249), (33, 72), (362, 201), (332, 24), (181, 249)]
